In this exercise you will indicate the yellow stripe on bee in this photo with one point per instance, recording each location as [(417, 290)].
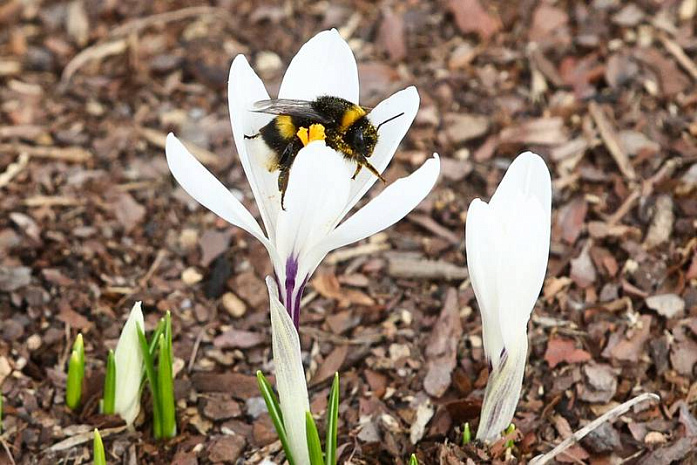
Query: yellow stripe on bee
[(285, 126), (350, 116)]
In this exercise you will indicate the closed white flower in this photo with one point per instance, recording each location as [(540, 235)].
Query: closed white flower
[(129, 367), (320, 191), (507, 243)]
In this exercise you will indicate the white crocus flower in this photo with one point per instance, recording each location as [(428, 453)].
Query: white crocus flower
[(320, 191), (507, 244), (128, 359), (290, 375)]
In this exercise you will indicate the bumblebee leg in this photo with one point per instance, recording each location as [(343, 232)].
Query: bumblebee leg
[(359, 167), (252, 137), (283, 185), (288, 153), (364, 162)]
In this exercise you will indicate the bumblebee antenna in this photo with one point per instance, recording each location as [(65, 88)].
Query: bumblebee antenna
[(388, 120)]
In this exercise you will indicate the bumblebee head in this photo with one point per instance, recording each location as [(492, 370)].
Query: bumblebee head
[(362, 136)]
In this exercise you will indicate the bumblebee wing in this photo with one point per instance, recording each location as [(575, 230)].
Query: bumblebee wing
[(290, 107)]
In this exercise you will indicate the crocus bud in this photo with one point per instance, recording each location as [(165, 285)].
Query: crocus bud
[(507, 243), (129, 367)]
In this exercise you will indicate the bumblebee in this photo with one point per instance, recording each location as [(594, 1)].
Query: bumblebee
[(344, 126)]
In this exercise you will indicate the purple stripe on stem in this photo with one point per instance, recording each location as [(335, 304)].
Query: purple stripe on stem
[(291, 274)]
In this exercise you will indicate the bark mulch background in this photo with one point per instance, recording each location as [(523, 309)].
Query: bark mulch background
[(91, 221)]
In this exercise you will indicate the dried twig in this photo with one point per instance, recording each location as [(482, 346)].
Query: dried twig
[(82, 438), (95, 52), (52, 201), (68, 154), (609, 416), (7, 451), (159, 138), (139, 24), (679, 54), (408, 268), (14, 169), (612, 141), (119, 45)]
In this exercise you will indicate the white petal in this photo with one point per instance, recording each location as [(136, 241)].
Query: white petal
[(522, 204), (200, 184), (483, 257), (503, 391), (244, 89), (390, 206), (389, 137), (520, 276), (129, 367), (317, 192), (527, 176), (325, 65), (290, 375)]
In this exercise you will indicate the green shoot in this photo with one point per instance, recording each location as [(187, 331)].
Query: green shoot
[(466, 434), (76, 373), (109, 399), (506, 432), (161, 381), (166, 381), (274, 409), (99, 454), (332, 422), (413, 460), (313, 445), (152, 381)]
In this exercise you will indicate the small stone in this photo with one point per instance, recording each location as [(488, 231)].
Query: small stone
[(268, 63), (667, 305), (654, 437), (12, 279), (33, 342), (188, 239), (5, 369), (463, 127), (603, 440), (233, 305), (255, 406), (226, 449), (191, 276), (221, 407)]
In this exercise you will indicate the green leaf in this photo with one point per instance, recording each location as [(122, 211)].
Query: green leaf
[(413, 460), (152, 381), (313, 445), (76, 373), (99, 455), (332, 421), (155, 339), (274, 409), (165, 384), (466, 434), (109, 398)]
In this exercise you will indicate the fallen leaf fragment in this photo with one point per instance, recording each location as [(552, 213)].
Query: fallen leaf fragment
[(564, 350)]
